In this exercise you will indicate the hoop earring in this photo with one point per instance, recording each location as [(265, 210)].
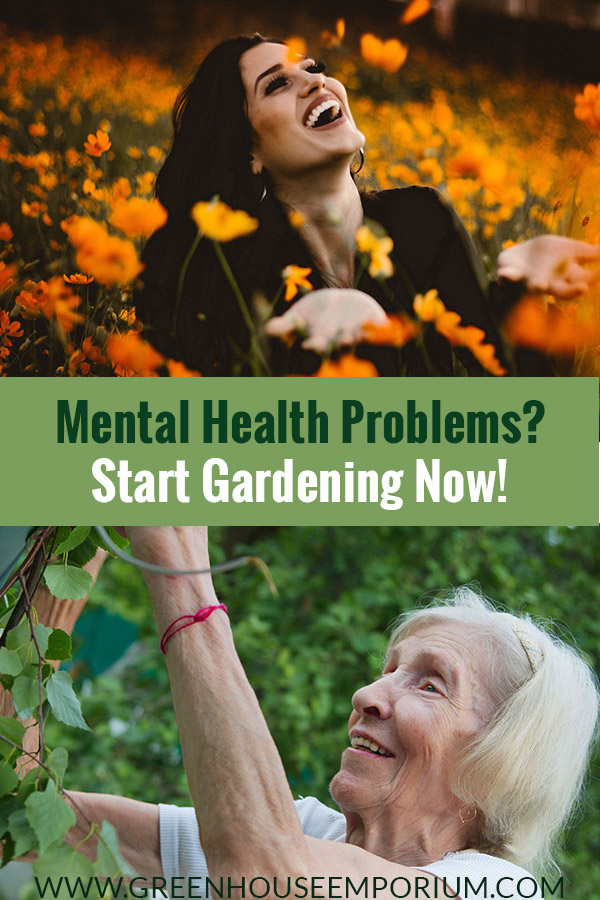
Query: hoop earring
[(467, 813), (361, 153)]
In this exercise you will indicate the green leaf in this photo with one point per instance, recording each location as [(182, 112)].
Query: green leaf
[(115, 537), (110, 862), (61, 861), (8, 850), (84, 553), (29, 783), (8, 779), (22, 833), (42, 634), (67, 582), (59, 645), (49, 815), (13, 730), (18, 636), (75, 537), (26, 695), (10, 663), (63, 700), (58, 761)]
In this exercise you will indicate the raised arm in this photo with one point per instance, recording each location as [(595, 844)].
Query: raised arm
[(247, 821)]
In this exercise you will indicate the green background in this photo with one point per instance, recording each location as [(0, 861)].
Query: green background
[(552, 481)]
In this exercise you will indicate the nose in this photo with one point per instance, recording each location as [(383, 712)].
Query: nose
[(314, 81), (374, 700)]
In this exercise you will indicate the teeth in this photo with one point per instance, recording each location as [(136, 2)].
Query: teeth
[(358, 741), (316, 112)]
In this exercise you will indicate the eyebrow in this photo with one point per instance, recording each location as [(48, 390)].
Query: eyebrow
[(264, 74), (429, 657)]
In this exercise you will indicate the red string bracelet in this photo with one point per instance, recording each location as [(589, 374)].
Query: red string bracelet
[(198, 616)]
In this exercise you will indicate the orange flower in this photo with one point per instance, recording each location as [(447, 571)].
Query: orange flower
[(587, 106), (37, 129), (551, 329), (134, 152), (120, 190), (32, 298), (7, 274), (145, 183), (428, 306), (80, 359), (9, 329), (296, 47), (221, 223), (138, 216), (415, 10), (61, 305), (6, 232), (33, 210), (108, 259), (378, 249), (130, 355), (397, 331), (78, 278), (334, 40), (178, 370), (295, 277), (97, 144), (296, 219), (387, 55), (348, 366)]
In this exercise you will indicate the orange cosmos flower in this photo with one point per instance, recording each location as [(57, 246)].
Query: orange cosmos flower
[(130, 355), (295, 277), (138, 216), (428, 306), (178, 370), (108, 259), (6, 232), (7, 274), (587, 106), (398, 331), (348, 366), (551, 329), (296, 47), (378, 249), (32, 298), (61, 305), (97, 144), (387, 55), (9, 329), (78, 278), (218, 221), (120, 190), (334, 40), (414, 11), (37, 129)]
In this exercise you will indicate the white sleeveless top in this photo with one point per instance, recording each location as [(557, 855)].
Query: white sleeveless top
[(472, 875)]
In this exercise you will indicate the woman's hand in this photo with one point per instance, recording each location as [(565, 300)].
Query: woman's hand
[(550, 264), (331, 317)]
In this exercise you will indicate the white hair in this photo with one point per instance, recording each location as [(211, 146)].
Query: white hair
[(525, 769)]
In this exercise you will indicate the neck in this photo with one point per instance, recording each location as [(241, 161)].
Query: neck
[(410, 840), (329, 203)]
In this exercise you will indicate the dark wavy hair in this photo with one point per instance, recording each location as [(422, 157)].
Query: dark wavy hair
[(209, 156)]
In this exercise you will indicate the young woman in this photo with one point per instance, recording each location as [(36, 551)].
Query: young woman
[(274, 136)]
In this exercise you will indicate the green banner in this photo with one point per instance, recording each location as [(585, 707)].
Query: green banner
[(297, 451)]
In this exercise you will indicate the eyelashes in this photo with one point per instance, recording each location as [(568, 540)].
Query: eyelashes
[(279, 81)]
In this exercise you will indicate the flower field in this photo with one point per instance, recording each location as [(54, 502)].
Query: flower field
[(83, 132)]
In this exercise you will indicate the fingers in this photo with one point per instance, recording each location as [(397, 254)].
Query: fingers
[(586, 252)]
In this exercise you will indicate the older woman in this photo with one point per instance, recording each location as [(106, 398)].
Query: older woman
[(465, 756), (274, 135)]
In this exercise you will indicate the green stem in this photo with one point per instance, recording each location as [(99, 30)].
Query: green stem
[(257, 354), (182, 274)]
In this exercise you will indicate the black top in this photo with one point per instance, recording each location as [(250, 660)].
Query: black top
[(431, 250)]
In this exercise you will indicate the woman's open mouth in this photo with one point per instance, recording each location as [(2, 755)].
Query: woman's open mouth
[(366, 746), (324, 113)]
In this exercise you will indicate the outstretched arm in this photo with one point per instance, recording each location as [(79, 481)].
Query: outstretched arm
[(247, 821)]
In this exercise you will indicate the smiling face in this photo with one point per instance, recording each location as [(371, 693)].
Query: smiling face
[(300, 118), (409, 728)]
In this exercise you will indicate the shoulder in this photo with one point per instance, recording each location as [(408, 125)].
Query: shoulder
[(481, 869)]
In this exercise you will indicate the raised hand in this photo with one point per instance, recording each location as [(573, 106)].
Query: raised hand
[(331, 317), (550, 264)]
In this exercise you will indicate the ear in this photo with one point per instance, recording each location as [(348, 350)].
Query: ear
[(256, 163)]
